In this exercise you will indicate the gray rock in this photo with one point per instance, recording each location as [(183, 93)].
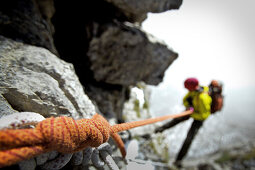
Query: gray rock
[(110, 101), (127, 55), (5, 107), (28, 21), (33, 79), (27, 164), (124, 55), (137, 11)]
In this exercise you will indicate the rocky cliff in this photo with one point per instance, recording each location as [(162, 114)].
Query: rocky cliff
[(102, 39), (77, 58)]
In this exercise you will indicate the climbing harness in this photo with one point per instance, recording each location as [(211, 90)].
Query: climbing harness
[(65, 135)]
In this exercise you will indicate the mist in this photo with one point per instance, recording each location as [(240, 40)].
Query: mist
[(214, 40)]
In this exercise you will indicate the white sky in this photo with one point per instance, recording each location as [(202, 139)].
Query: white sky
[(215, 39)]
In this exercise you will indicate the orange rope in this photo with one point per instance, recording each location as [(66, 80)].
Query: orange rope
[(130, 125), (64, 135)]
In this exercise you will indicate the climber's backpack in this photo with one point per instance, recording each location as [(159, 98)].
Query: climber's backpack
[(215, 91)]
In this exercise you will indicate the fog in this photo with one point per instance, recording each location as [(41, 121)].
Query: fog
[(214, 40)]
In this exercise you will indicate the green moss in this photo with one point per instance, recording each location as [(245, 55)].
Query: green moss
[(151, 144), (225, 157), (137, 108), (166, 154), (249, 155), (146, 105), (124, 117), (136, 137), (140, 85)]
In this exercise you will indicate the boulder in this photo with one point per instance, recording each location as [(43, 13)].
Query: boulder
[(33, 79), (125, 55)]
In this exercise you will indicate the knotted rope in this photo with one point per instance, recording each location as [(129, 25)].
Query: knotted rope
[(65, 135)]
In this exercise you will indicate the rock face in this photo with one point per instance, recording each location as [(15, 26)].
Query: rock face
[(57, 57), (33, 79), (28, 21), (116, 65), (113, 64), (100, 38)]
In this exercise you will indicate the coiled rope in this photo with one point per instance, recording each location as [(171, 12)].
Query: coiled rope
[(65, 135)]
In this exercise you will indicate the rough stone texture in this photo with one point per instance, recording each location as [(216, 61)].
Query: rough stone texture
[(136, 11), (109, 99), (27, 164), (28, 21), (33, 79), (5, 107), (135, 58), (122, 55), (134, 110), (107, 52)]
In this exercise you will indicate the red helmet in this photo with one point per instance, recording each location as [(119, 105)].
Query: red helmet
[(191, 84)]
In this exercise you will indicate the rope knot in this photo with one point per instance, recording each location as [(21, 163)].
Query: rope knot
[(66, 135)]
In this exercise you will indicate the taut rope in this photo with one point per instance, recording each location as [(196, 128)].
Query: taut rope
[(65, 135)]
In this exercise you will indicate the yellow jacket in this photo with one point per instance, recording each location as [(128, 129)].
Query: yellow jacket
[(200, 101)]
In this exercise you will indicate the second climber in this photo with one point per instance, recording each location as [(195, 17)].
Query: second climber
[(199, 100)]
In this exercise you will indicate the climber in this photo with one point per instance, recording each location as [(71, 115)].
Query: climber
[(198, 99)]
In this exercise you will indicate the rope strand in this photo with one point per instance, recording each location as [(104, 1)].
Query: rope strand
[(65, 135), (130, 125)]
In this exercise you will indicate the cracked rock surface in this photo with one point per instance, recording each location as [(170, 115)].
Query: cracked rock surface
[(33, 79)]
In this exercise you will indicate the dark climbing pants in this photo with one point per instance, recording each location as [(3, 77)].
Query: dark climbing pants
[(172, 123), (190, 136)]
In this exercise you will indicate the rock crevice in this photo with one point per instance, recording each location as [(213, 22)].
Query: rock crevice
[(102, 39)]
